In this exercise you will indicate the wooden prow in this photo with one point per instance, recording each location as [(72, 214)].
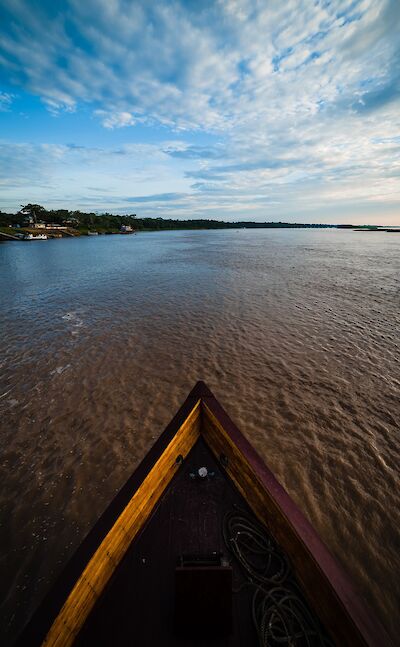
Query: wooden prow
[(326, 586)]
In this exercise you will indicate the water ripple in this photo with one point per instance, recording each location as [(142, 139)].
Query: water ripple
[(297, 333)]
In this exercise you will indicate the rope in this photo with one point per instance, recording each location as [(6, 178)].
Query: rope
[(257, 553), (280, 615)]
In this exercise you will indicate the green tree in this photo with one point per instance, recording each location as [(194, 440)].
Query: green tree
[(32, 211)]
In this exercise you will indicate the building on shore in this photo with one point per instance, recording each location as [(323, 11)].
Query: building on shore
[(71, 222)]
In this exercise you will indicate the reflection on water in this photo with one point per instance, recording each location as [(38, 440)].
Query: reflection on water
[(297, 333)]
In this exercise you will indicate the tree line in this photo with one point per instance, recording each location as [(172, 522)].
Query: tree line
[(107, 221)]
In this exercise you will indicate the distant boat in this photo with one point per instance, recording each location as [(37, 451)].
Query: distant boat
[(158, 566), (93, 233), (126, 229), (37, 237)]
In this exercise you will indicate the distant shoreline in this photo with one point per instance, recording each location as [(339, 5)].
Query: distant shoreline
[(35, 222), (56, 223), (12, 233)]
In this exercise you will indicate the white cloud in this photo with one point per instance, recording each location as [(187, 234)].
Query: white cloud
[(79, 176), (6, 100), (115, 119), (217, 68), (298, 94)]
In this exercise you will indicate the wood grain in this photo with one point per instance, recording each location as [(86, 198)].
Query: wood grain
[(100, 568)]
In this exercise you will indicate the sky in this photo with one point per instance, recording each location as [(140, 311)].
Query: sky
[(227, 109)]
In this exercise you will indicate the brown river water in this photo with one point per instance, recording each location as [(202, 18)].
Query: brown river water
[(297, 332)]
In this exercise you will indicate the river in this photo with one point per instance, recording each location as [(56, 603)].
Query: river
[(296, 332)]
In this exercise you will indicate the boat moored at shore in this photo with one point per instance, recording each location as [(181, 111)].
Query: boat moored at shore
[(34, 237)]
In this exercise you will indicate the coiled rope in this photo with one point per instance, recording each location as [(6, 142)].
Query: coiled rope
[(280, 614), (257, 553)]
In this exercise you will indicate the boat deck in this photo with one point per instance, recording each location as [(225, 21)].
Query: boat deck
[(137, 607)]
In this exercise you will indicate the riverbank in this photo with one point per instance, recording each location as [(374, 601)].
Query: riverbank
[(34, 218), (20, 234), (62, 222), (17, 234)]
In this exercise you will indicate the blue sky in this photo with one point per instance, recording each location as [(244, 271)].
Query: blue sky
[(228, 109)]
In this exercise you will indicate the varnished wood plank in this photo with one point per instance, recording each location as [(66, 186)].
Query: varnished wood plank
[(110, 552)]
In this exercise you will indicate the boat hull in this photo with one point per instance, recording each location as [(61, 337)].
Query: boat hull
[(71, 608)]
